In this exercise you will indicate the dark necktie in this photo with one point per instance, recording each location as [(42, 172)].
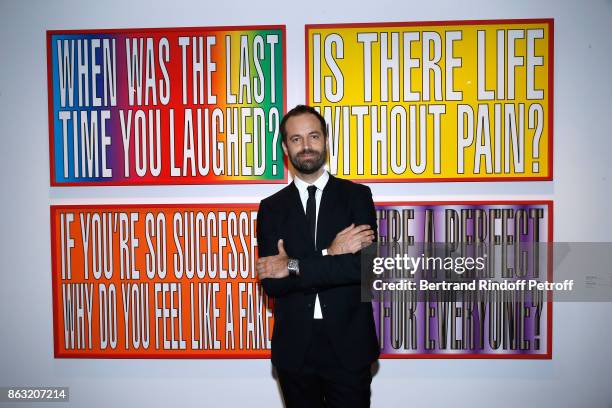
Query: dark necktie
[(311, 212)]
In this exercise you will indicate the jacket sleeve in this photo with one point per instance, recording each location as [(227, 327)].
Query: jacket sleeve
[(267, 244), (336, 270)]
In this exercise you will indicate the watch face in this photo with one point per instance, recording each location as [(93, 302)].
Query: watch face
[(293, 266)]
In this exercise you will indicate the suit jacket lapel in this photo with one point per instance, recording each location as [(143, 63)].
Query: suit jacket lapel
[(329, 201), (299, 216)]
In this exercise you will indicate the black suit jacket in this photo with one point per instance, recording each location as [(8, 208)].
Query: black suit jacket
[(348, 321)]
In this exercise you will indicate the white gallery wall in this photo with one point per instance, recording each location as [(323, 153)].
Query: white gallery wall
[(580, 372)]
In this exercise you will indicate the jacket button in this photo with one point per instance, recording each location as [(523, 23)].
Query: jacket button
[(324, 306), (310, 305)]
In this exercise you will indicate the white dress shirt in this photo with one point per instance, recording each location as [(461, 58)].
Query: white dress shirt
[(302, 187)]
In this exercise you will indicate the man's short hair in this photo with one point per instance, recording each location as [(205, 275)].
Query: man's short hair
[(300, 110)]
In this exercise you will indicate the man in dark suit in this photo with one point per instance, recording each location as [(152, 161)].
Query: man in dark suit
[(309, 236)]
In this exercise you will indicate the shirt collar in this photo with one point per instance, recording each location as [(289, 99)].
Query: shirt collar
[(319, 183)]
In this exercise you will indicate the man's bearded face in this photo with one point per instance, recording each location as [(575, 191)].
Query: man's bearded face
[(306, 144)]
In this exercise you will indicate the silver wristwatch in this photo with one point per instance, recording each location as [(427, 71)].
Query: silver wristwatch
[(293, 266)]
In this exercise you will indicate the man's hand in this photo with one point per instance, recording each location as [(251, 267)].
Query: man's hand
[(351, 239), (275, 266)]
